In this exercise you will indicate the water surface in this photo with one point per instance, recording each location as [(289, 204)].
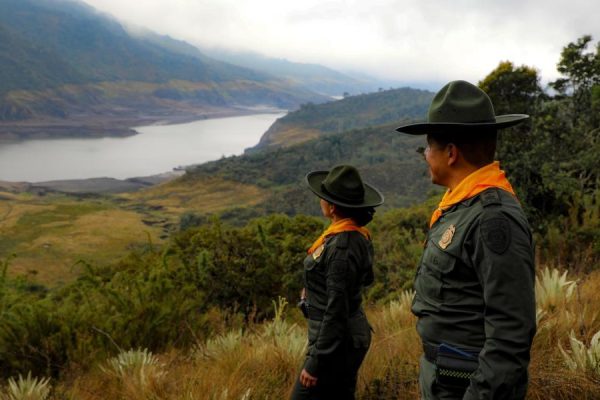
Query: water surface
[(154, 150)]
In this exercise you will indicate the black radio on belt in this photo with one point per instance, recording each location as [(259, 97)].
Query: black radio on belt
[(303, 306), (454, 367)]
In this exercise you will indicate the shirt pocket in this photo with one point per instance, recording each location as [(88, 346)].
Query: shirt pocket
[(430, 279)]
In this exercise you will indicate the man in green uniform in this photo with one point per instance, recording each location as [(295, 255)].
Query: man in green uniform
[(475, 298)]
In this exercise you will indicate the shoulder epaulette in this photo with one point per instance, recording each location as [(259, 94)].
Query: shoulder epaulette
[(490, 197)]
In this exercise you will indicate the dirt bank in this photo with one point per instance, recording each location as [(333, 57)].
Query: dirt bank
[(89, 186)]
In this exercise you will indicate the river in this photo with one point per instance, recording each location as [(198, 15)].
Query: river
[(154, 150)]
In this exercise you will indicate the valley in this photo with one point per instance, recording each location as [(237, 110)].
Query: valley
[(264, 180)]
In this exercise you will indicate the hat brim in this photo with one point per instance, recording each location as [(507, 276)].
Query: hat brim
[(502, 121), (373, 197)]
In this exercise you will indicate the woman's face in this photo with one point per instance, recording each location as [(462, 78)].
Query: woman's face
[(327, 208)]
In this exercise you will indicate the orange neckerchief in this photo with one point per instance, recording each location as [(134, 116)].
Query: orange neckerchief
[(486, 177), (343, 225)]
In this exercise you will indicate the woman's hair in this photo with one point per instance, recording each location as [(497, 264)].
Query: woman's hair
[(362, 216)]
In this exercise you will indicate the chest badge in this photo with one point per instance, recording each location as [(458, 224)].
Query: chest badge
[(318, 251), (447, 237)]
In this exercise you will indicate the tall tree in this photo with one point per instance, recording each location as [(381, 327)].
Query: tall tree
[(516, 90), (552, 160), (512, 89), (580, 67)]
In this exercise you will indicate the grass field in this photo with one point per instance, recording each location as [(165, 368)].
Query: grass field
[(288, 135), (203, 195), (45, 236)]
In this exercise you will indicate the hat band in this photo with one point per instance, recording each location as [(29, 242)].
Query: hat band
[(482, 121), (344, 199)]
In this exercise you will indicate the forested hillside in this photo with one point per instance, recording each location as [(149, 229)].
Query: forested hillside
[(385, 158), (353, 112)]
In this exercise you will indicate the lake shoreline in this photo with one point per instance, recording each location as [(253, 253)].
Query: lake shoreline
[(106, 182), (90, 186), (103, 126)]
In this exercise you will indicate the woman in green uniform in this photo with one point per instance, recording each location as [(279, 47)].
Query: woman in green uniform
[(339, 264)]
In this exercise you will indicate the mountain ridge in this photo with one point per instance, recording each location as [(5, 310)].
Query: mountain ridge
[(59, 57), (352, 112)]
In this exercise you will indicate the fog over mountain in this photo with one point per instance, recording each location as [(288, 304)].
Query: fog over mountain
[(407, 41), (63, 59)]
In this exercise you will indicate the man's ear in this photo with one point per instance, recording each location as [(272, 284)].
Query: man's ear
[(332, 208), (452, 153)]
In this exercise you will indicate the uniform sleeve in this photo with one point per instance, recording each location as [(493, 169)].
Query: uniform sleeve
[(335, 319), (504, 262)]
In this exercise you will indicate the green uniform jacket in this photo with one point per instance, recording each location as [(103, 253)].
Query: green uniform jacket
[(475, 290), (334, 283)]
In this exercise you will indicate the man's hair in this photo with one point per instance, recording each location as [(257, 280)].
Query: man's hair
[(477, 148)]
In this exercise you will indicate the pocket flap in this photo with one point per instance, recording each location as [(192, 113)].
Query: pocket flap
[(438, 260)]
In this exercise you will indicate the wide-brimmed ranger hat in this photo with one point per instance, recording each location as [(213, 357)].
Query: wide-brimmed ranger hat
[(344, 186), (461, 106)]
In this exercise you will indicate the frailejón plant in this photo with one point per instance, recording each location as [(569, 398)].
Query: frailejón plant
[(27, 388)]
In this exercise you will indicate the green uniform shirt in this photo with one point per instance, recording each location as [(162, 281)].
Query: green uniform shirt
[(334, 278), (475, 290)]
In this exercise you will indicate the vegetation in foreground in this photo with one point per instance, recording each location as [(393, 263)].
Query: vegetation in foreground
[(261, 361), (199, 300)]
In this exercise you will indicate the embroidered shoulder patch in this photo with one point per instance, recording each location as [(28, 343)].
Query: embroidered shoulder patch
[(496, 234), (318, 251)]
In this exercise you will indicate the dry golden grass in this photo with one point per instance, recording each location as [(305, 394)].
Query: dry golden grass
[(291, 135), (390, 369), (550, 377), (205, 195), (263, 361), (14, 207), (48, 235)]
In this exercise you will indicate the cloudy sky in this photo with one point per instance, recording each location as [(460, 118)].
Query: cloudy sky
[(405, 40)]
